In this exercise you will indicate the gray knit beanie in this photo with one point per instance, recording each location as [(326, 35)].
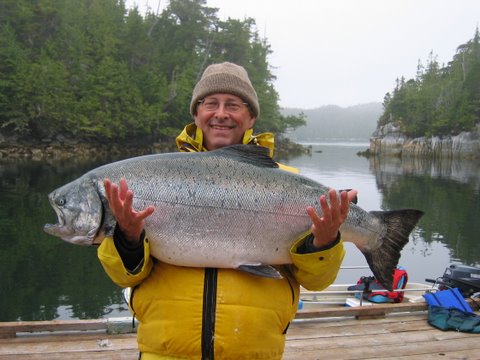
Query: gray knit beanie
[(226, 78)]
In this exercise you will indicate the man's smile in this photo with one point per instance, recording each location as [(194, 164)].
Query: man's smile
[(221, 127)]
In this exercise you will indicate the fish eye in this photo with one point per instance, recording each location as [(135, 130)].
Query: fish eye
[(60, 201)]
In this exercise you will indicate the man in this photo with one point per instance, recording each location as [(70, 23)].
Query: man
[(199, 313)]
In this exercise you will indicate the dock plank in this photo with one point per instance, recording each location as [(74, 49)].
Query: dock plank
[(9, 329), (399, 337), (359, 348), (70, 346), (404, 335), (379, 310)]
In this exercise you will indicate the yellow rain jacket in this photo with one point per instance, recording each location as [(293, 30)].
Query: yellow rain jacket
[(197, 313)]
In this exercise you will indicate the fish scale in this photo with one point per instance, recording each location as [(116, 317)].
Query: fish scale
[(228, 208)]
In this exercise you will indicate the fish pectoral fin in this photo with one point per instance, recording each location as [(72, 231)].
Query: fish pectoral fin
[(261, 270)]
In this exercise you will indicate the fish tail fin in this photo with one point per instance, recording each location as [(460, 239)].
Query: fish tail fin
[(384, 259)]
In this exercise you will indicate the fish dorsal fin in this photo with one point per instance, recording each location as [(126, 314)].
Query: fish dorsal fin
[(250, 154)]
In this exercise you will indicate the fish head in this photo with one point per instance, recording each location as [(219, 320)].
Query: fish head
[(79, 210)]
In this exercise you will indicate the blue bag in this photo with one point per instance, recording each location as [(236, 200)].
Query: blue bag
[(449, 298), (453, 319), (448, 310)]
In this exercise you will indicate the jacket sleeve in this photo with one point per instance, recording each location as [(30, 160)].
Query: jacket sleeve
[(316, 270), (114, 266)]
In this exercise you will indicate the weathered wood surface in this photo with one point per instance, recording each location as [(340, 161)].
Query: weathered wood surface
[(10, 329), (399, 336), (395, 336), (377, 310)]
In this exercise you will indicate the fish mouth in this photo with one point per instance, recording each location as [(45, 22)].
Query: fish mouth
[(65, 233), (68, 233), (59, 229)]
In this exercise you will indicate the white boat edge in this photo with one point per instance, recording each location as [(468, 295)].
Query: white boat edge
[(338, 294)]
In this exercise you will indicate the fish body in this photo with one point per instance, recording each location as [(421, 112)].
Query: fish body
[(228, 208)]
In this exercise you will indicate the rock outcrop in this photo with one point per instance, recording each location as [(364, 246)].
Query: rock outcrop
[(389, 141)]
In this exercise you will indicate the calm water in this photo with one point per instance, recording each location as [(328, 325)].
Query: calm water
[(42, 278)]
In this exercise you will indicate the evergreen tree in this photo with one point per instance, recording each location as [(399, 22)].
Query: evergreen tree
[(94, 71), (441, 100), (14, 65)]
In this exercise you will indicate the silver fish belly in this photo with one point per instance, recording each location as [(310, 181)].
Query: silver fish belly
[(227, 208)]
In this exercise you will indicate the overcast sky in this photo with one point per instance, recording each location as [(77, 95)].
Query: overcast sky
[(349, 52)]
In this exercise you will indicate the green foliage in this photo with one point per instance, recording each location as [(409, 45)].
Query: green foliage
[(13, 72), (439, 101), (94, 71)]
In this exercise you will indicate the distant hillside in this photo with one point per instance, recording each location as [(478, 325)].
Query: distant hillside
[(333, 122)]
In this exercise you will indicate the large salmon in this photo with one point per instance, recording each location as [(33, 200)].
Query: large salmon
[(228, 208)]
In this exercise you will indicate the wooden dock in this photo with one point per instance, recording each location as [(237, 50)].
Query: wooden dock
[(386, 331)]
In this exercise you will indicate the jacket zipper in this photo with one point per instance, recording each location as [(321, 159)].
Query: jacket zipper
[(132, 293), (293, 301), (209, 312)]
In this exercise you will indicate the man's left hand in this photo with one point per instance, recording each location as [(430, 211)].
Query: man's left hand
[(325, 228)]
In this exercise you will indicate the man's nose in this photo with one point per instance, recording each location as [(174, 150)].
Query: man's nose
[(221, 111)]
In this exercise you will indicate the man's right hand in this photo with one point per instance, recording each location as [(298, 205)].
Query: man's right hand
[(120, 199)]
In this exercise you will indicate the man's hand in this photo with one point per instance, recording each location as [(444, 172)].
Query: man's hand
[(325, 228), (120, 199)]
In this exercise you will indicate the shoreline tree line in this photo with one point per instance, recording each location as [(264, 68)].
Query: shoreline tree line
[(98, 72), (440, 100)]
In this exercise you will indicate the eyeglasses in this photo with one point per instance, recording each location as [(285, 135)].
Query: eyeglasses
[(228, 106)]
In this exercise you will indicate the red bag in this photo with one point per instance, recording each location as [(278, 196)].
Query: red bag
[(374, 292)]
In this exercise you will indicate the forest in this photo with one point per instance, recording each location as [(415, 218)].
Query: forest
[(441, 100), (98, 72)]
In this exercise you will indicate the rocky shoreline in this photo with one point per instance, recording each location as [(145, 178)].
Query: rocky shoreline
[(64, 149), (387, 140)]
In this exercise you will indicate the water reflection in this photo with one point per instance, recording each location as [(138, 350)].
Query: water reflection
[(44, 278), (447, 190), (461, 171)]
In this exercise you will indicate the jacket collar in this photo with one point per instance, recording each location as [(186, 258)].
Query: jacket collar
[(191, 139)]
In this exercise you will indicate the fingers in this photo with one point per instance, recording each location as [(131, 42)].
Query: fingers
[(108, 188), (334, 204), (313, 215), (120, 199), (344, 205), (317, 222), (115, 201), (325, 207), (352, 195), (328, 210), (334, 211), (146, 212), (127, 196), (123, 188)]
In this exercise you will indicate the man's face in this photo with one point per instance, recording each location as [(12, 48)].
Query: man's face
[(223, 119)]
